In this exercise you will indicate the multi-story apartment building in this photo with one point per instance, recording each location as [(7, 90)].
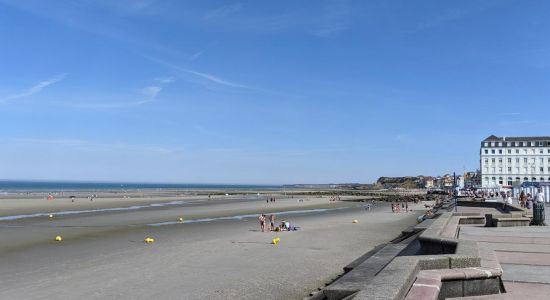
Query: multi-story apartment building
[(506, 161)]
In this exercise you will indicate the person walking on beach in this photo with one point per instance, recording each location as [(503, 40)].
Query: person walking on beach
[(272, 222), (262, 222), (407, 206), (392, 207)]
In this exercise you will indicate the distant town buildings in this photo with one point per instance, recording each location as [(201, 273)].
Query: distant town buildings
[(509, 161)]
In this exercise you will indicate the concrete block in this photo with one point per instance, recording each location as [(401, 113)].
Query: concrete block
[(431, 262), (479, 287), (451, 289)]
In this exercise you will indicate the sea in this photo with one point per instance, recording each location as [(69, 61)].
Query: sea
[(10, 186)]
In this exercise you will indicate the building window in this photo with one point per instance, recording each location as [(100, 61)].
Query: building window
[(541, 160), (492, 144), (492, 160), (500, 151), (517, 151), (542, 179), (518, 179), (500, 144), (517, 160), (525, 179), (509, 169), (486, 144), (533, 179), (541, 151), (493, 151), (486, 151), (486, 161), (500, 160), (541, 169), (509, 160), (509, 151), (525, 160)]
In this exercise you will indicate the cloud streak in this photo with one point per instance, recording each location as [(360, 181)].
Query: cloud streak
[(37, 88), (149, 93)]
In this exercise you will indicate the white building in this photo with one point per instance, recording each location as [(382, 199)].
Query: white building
[(506, 161)]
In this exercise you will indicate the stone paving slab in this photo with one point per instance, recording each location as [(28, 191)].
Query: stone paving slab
[(521, 258), (532, 231), (525, 273), (518, 290), (507, 239), (527, 248)]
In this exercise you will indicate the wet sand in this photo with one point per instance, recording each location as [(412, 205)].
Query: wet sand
[(103, 255)]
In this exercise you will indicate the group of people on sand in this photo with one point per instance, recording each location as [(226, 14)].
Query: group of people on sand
[(270, 199), (398, 207), (267, 224), (334, 198)]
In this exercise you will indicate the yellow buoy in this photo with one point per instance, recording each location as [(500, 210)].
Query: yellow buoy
[(58, 238), (181, 220), (275, 241), (51, 216), (149, 240), (355, 221)]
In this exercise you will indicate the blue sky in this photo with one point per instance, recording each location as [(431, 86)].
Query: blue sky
[(265, 91)]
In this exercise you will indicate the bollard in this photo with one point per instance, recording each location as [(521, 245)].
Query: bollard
[(58, 238), (149, 240), (50, 216), (275, 241), (181, 220), (355, 222), (538, 214)]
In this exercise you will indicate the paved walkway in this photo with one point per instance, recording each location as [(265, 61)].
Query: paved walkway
[(524, 254)]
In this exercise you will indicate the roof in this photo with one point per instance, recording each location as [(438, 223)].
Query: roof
[(517, 138)]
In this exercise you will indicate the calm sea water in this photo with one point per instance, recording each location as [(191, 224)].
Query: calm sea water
[(10, 186)]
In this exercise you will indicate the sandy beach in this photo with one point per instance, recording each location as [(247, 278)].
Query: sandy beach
[(217, 253)]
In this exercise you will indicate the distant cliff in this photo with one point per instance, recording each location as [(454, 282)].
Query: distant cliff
[(408, 182)]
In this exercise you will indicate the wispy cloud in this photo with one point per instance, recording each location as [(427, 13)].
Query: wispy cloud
[(165, 80), (148, 93), (208, 77), (196, 55), (223, 11), (37, 88), (510, 114), (216, 79)]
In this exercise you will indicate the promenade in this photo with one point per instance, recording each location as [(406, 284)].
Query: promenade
[(472, 251), (523, 253)]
